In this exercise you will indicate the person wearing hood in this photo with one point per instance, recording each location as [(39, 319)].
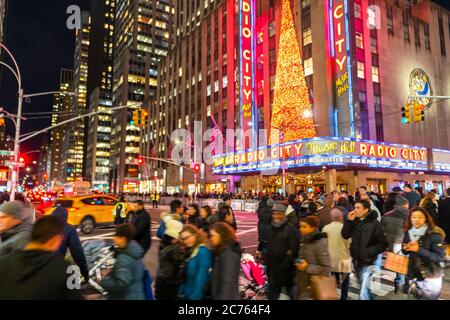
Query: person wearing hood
[(291, 216), (37, 272), (72, 242), (393, 223), (314, 258), (142, 224), (303, 202), (227, 263), (282, 250), (424, 243), (170, 258), (368, 242), (197, 265), (264, 223), (15, 227), (126, 280)]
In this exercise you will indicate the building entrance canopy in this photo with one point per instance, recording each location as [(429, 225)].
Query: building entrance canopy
[(330, 152)]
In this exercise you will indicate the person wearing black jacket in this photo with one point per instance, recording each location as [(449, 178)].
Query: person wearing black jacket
[(424, 242), (368, 241), (142, 225), (37, 272), (444, 215), (72, 242), (264, 224), (282, 250), (227, 263), (226, 214)]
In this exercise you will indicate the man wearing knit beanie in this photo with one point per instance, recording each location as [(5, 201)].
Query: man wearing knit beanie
[(15, 228)]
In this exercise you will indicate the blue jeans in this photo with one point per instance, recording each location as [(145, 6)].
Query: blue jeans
[(378, 263), (399, 279), (364, 275), (344, 280)]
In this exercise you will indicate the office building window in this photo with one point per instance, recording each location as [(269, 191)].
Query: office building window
[(307, 36), (405, 26), (361, 70), (308, 63), (416, 33), (390, 19), (375, 74), (426, 31), (359, 40), (357, 11), (442, 36)]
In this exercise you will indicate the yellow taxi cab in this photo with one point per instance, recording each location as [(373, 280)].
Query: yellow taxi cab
[(87, 212)]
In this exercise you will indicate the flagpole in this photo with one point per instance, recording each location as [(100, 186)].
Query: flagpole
[(226, 145)]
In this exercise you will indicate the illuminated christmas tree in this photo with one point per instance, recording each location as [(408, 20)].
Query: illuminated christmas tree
[(291, 111)]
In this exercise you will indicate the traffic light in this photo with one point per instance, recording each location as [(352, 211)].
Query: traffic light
[(406, 114), (196, 168), (419, 112), (22, 159), (140, 118), (135, 118), (140, 161)]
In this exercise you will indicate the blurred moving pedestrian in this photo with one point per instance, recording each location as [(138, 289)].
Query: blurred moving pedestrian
[(339, 250), (430, 204), (197, 265), (204, 221), (264, 225), (227, 263), (444, 215), (368, 242), (72, 242), (225, 214), (394, 223), (176, 211), (194, 215), (282, 250), (15, 227), (411, 195), (37, 272), (344, 205), (424, 242), (142, 225), (170, 259), (324, 211), (313, 257), (120, 211), (126, 280)]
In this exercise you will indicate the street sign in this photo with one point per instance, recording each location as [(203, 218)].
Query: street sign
[(14, 164), (6, 153)]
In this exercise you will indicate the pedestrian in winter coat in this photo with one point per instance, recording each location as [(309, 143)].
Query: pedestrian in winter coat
[(314, 258), (15, 227), (368, 241), (167, 281), (282, 250), (394, 224), (194, 215), (142, 226), (226, 214), (264, 224), (197, 265), (227, 263), (429, 203), (205, 214), (444, 215), (411, 195), (389, 204), (324, 211), (126, 280), (291, 216), (344, 205), (424, 242), (72, 242), (339, 250), (37, 272), (373, 207)]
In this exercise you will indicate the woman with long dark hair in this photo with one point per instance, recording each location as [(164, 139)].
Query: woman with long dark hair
[(424, 243), (227, 258), (430, 204)]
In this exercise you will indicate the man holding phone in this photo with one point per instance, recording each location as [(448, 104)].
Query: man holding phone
[(368, 241)]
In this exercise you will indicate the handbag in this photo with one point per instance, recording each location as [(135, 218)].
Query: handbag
[(323, 287), (396, 262)]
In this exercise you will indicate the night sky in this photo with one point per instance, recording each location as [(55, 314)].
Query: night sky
[(38, 37)]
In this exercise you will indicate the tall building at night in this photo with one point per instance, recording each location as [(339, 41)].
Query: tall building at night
[(142, 36), (62, 105), (3, 4), (230, 65), (99, 91), (73, 146)]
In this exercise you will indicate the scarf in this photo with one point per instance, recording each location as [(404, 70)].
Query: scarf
[(416, 233)]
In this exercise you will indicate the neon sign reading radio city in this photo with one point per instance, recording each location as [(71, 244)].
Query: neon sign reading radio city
[(340, 48), (246, 61)]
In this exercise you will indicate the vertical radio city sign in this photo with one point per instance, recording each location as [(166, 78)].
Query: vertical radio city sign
[(340, 53), (247, 77)]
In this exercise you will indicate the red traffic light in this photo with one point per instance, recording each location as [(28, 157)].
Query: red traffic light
[(140, 161), (196, 168), (21, 159)]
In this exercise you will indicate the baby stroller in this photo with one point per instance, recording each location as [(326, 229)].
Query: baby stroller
[(253, 280), (98, 257)]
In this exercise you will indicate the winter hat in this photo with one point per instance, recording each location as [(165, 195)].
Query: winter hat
[(312, 221), (400, 201), (279, 208), (320, 202), (173, 228), (15, 209), (396, 189), (289, 210), (270, 203)]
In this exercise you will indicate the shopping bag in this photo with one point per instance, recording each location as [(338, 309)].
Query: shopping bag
[(396, 262), (323, 287)]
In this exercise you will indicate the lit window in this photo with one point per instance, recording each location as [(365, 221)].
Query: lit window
[(375, 74), (361, 70), (307, 36), (359, 40), (309, 70)]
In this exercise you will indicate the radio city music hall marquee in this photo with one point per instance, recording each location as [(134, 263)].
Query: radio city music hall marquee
[(324, 151)]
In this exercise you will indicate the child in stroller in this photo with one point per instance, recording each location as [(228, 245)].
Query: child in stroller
[(253, 280)]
